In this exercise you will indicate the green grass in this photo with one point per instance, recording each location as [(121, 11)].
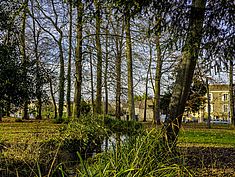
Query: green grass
[(21, 132), (190, 134), (199, 135)]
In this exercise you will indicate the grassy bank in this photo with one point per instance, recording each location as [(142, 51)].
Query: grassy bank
[(43, 147)]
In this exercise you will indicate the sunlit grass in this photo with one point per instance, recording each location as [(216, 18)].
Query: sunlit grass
[(217, 136), (20, 132)]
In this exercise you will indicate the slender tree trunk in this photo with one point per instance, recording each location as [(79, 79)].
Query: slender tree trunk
[(231, 92), (92, 82), (53, 98), (157, 81), (185, 73), (38, 86), (106, 71), (131, 105), (78, 63), (24, 58), (208, 104), (68, 98), (118, 80), (38, 78), (99, 59), (146, 82), (118, 63), (61, 78)]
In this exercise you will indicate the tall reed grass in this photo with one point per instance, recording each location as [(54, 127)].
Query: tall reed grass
[(138, 156)]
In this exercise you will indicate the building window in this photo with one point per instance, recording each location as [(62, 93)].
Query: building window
[(225, 108), (225, 97)]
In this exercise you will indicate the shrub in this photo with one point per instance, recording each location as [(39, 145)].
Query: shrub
[(123, 127)]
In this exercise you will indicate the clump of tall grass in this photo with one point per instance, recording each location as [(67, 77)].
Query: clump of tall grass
[(139, 156)]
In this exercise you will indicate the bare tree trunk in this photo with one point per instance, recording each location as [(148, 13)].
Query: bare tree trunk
[(106, 71), (69, 113), (99, 59), (61, 78), (157, 81), (118, 63), (231, 92), (78, 63), (208, 104), (147, 81), (131, 105), (24, 58), (185, 73), (92, 82), (53, 98), (118, 80)]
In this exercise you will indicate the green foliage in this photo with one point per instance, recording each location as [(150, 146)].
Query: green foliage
[(61, 120), (85, 107), (84, 135), (196, 99), (165, 101), (141, 157), (123, 127), (85, 126), (11, 88)]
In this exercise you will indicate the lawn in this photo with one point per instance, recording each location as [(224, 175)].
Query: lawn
[(199, 135), (22, 132)]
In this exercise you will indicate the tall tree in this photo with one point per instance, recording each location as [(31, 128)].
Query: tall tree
[(99, 58), (39, 83), (58, 35), (24, 56), (158, 73), (106, 70), (131, 105), (147, 80), (185, 73), (68, 97), (78, 62), (118, 63)]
